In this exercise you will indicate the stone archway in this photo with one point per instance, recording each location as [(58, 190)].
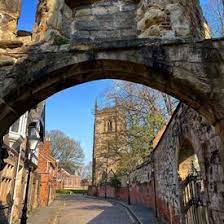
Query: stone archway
[(191, 72)]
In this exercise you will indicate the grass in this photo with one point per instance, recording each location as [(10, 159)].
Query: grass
[(71, 191)]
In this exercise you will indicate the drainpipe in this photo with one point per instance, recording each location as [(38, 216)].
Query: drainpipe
[(15, 186)]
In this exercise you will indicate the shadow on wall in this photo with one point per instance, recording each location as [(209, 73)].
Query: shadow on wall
[(3, 213), (5, 209)]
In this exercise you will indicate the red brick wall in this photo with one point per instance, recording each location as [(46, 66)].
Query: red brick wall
[(167, 212), (47, 169), (68, 181), (141, 194), (72, 182), (122, 193)]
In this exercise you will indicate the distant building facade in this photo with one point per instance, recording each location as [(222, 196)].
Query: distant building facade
[(109, 124), (65, 180)]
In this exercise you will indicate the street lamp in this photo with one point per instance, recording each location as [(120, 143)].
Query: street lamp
[(105, 184), (32, 142), (129, 196)]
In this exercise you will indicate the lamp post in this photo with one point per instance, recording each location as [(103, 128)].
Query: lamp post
[(129, 196), (33, 139), (105, 185)]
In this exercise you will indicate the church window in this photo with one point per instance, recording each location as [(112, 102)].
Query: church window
[(110, 126)]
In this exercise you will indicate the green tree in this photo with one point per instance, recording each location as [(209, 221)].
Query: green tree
[(145, 112), (66, 150)]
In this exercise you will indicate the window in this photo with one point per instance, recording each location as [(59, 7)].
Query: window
[(15, 126), (110, 126), (20, 125), (28, 14)]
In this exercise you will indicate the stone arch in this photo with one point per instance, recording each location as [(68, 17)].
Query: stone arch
[(34, 73), (191, 73), (187, 156), (189, 140), (191, 162)]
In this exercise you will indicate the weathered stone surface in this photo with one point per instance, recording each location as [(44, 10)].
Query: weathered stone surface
[(186, 124), (170, 19), (186, 71), (53, 19), (118, 19), (6, 61), (107, 20), (9, 14), (10, 44), (191, 71)]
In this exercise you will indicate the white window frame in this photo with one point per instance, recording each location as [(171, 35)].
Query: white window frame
[(20, 135)]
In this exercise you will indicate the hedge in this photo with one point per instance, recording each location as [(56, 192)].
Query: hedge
[(71, 191)]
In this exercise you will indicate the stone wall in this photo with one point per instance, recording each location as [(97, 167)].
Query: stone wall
[(105, 20), (9, 14), (59, 20), (170, 19), (187, 124), (119, 19), (53, 21), (162, 167)]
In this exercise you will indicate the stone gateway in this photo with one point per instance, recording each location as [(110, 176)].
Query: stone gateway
[(162, 44)]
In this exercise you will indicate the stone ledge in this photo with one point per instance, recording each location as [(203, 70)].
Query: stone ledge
[(4, 44)]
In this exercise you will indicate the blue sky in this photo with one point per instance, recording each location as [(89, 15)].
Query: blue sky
[(72, 109), (72, 112)]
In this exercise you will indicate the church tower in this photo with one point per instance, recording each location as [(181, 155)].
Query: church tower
[(109, 123)]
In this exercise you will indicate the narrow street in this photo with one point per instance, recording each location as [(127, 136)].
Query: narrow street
[(79, 209)]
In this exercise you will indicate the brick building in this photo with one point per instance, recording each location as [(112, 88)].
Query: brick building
[(47, 169), (65, 180)]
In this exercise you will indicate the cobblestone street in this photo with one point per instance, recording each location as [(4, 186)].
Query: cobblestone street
[(81, 210)]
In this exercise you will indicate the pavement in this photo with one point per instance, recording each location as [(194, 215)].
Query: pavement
[(78, 209), (45, 215), (142, 214)]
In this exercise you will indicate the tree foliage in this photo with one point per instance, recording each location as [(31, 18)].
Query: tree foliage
[(145, 112), (85, 172), (66, 150)]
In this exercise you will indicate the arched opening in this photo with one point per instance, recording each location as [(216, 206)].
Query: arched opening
[(26, 20), (110, 126), (54, 72), (192, 189), (34, 73), (63, 73), (186, 154), (188, 160), (27, 15)]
